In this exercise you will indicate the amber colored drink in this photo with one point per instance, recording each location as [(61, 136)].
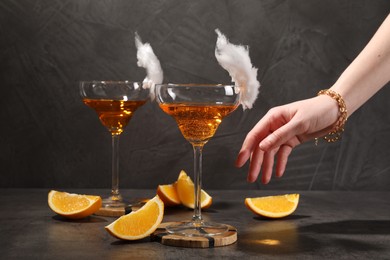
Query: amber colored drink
[(114, 114), (198, 123)]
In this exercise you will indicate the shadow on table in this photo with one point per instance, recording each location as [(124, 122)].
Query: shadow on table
[(129, 242), (364, 227), (290, 217), (89, 219), (281, 237), (215, 208), (221, 205)]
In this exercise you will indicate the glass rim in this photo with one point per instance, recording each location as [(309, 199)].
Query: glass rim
[(109, 82), (196, 85)]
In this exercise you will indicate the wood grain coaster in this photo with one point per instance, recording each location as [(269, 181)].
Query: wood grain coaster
[(108, 212), (161, 236), (114, 212)]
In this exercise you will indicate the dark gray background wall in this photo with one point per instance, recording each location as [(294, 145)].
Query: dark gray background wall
[(48, 138)]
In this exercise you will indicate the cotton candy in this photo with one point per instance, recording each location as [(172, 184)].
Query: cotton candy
[(148, 60), (235, 59)]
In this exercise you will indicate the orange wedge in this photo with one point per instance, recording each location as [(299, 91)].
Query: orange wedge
[(185, 189), (138, 224), (273, 206), (73, 206), (168, 194)]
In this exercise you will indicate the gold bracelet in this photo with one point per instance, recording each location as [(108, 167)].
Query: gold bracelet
[(338, 128)]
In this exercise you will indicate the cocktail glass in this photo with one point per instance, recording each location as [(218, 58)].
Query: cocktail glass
[(114, 102), (198, 110)]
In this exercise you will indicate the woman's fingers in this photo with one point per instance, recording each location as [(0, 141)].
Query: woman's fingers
[(264, 162), (262, 129), (255, 165), (242, 157), (282, 158), (250, 143), (267, 166)]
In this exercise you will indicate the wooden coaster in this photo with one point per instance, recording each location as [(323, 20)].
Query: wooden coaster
[(115, 212), (161, 236), (109, 212)]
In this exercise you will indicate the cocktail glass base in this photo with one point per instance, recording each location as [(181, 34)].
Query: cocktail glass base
[(114, 202), (115, 206), (197, 229)]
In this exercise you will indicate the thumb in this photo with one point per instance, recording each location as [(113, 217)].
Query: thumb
[(281, 136)]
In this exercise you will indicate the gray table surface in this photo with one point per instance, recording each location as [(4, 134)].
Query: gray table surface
[(326, 224)]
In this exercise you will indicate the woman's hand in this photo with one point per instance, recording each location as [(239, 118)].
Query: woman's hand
[(283, 128)]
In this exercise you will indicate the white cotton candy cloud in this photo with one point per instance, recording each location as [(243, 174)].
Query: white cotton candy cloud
[(235, 59), (148, 60)]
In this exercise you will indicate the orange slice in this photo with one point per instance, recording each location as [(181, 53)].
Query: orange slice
[(138, 224), (73, 206), (273, 206), (168, 194), (185, 189)]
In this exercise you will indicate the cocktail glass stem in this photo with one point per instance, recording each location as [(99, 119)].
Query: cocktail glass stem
[(198, 148), (115, 196), (197, 227)]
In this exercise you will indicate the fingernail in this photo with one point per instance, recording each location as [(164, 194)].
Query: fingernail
[(239, 162), (264, 145)]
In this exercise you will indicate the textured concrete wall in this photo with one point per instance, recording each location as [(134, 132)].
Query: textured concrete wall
[(48, 138)]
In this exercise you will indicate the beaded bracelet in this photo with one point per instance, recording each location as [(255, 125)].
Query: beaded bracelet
[(338, 128)]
